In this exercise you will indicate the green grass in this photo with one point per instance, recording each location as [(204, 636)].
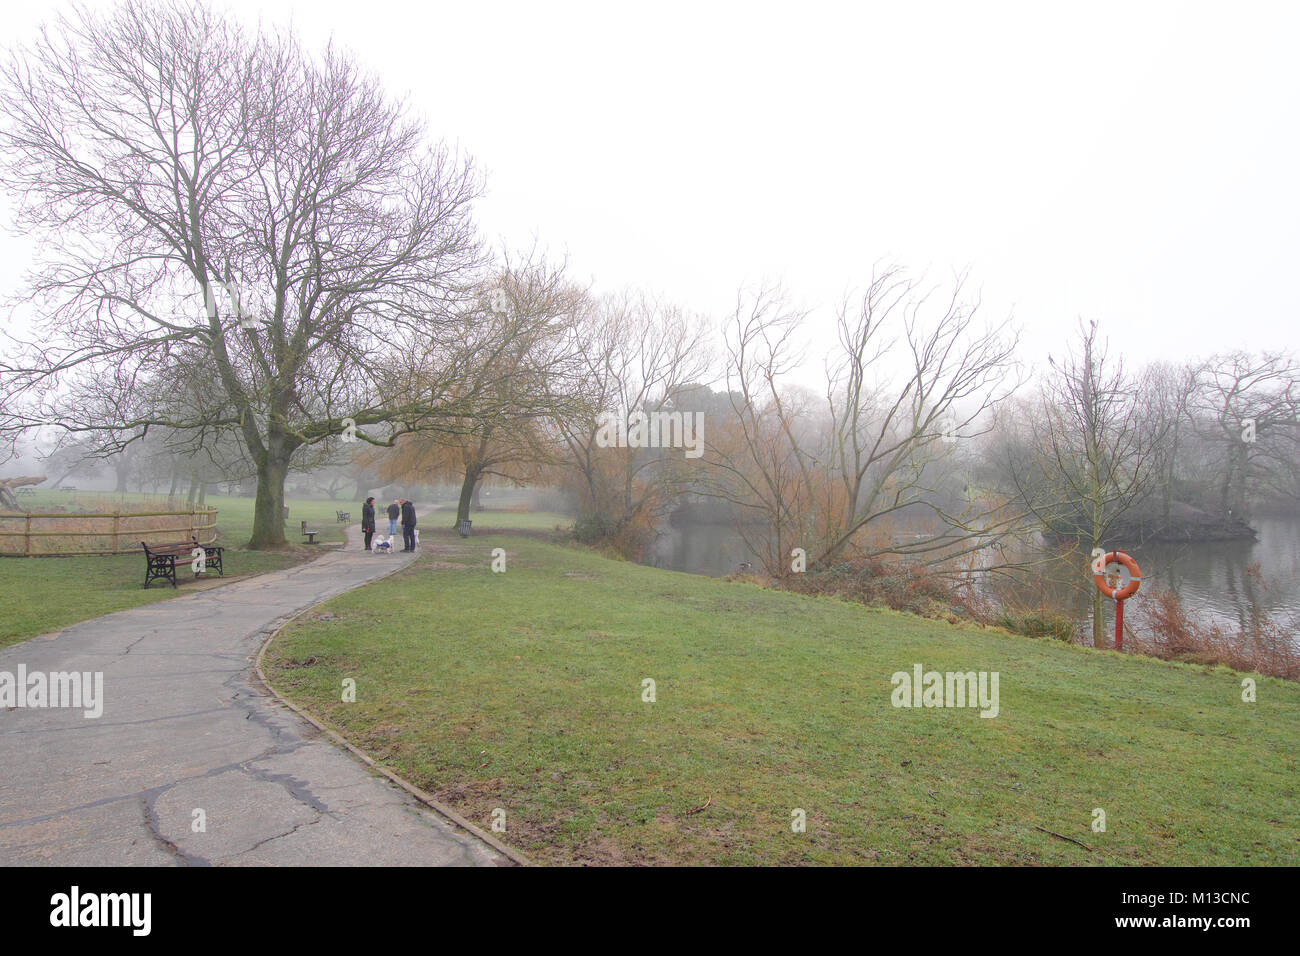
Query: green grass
[(444, 516), (46, 594), (523, 691)]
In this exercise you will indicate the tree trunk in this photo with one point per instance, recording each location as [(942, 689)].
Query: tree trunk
[(1169, 475), (268, 509), (1098, 625), (194, 491), (171, 492), (1242, 469), (466, 494), (475, 502), (1225, 489)]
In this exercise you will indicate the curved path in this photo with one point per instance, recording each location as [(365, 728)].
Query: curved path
[(184, 728)]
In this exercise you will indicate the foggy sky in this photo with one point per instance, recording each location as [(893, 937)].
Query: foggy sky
[(1130, 163)]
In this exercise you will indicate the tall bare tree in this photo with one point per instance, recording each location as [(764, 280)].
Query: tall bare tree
[(224, 202), (1249, 406), (636, 352)]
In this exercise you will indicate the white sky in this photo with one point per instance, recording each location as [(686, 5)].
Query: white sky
[(1135, 163)]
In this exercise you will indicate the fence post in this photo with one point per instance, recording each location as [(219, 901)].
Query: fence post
[(27, 537), (117, 518)]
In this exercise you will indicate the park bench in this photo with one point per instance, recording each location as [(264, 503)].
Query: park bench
[(160, 560), (344, 515), (310, 535)]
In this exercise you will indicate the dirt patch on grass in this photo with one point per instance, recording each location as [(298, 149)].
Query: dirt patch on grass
[(291, 664)]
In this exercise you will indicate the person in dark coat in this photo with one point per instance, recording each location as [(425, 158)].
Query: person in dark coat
[(408, 525), (368, 521), (394, 512)]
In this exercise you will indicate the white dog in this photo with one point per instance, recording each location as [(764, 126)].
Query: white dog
[(384, 545)]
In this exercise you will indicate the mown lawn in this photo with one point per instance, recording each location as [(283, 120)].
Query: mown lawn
[(523, 691), (49, 593), (444, 516)]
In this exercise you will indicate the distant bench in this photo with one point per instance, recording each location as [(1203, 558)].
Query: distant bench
[(160, 560), (344, 515), (309, 534)]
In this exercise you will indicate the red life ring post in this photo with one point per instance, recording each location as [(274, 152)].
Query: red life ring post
[(1119, 593)]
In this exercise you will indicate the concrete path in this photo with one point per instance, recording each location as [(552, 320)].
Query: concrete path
[(184, 729)]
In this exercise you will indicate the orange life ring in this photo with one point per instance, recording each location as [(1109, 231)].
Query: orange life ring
[(1135, 577)]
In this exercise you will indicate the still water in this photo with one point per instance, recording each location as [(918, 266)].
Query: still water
[(1210, 578)]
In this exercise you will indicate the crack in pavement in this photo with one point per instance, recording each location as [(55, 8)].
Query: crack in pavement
[(148, 799)]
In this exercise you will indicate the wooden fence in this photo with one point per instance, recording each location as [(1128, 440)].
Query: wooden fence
[(126, 531)]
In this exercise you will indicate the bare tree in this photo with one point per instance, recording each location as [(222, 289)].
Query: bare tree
[(225, 203), (1096, 451), (883, 441), (1172, 390), (636, 352), (1248, 406)]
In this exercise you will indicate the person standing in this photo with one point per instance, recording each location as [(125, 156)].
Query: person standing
[(368, 521), (394, 511), (408, 525)]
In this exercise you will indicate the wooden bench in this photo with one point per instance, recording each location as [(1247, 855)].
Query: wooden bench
[(160, 560), (308, 534), (344, 515)]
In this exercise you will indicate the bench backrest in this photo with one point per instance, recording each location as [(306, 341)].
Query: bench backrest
[(192, 543)]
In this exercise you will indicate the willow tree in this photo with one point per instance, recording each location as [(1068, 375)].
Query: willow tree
[(522, 371), (223, 201)]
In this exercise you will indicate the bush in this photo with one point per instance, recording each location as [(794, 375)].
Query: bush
[(1264, 646), (903, 587), (625, 537), (593, 529)]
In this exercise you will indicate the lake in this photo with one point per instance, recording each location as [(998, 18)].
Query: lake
[(1209, 578)]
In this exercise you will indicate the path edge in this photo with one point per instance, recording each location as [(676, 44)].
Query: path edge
[(427, 799)]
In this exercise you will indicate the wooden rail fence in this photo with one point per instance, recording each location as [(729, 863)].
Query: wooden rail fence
[(200, 523)]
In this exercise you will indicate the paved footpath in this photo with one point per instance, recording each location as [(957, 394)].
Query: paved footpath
[(184, 728)]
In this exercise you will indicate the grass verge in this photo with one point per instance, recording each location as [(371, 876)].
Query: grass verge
[(522, 691), (49, 593)]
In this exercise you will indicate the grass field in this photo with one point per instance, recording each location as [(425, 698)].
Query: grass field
[(522, 691), (444, 516), (46, 594)]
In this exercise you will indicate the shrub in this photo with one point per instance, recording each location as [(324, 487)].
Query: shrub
[(1265, 645)]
